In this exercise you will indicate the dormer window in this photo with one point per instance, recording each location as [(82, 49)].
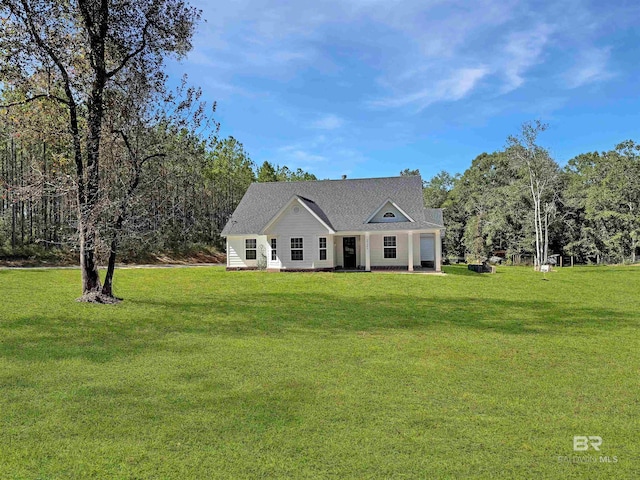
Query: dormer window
[(389, 215)]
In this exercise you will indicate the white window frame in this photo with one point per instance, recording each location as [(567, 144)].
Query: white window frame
[(274, 249), (322, 249), (297, 248), (253, 249), (389, 246)]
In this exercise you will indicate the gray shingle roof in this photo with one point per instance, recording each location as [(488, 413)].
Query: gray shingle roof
[(345, 205)]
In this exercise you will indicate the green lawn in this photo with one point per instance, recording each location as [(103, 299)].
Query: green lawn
[(202, 374)]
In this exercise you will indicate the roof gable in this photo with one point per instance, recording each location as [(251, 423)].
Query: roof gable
[(299, 203), (388, 212)]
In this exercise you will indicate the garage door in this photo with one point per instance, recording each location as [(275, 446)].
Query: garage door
[(427, 248)]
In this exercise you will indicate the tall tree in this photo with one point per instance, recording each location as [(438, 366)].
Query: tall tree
[(485, 210), (266, 173), (603, 194), (300, 175), (408, 172), (231, 172), (437, 189), (85, 46), (542, 174), (285, 174)]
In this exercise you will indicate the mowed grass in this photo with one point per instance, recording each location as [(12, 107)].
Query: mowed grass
[(201, 373)]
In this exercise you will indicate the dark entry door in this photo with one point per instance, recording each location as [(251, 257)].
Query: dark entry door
[(349, 251)]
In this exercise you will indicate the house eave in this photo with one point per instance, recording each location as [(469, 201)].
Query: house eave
[(391, 231)]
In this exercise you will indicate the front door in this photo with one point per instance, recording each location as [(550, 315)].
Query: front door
[(349, 251)]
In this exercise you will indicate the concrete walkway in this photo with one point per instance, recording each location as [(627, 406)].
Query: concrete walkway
[(406, 272)]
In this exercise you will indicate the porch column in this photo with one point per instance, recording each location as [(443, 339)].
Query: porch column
[(438, 243), (410, 250), (367, 252)]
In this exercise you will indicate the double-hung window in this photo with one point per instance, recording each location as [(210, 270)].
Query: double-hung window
[(250, 249), (390, 247), (274, 251), (322, 245), (297, 248)]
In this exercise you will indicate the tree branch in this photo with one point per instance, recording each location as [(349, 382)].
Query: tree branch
[(133, 54), (125, 138), (150, 157), (35, 97), (88, 21), (28, 19)]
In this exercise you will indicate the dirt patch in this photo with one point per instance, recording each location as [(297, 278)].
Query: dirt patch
[(178, 259), (68, 260)]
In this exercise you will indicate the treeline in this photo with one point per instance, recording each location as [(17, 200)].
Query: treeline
[(182, 201), (590, 208)]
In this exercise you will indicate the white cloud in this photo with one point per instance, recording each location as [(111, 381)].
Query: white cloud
[(407, 54), (522, 51), (326, 153), (463, 82), (328, 122), (455, 87), (592, 66), (298, 157)]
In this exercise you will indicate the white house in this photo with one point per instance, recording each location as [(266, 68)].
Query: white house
[(365, 224)]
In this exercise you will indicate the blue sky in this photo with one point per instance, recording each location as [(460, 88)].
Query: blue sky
[(368, 88)]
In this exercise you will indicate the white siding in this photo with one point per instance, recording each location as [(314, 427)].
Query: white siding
[(311, 230), (301, 225), (377, 251), (388, 207), (236, 250), (328, 263)]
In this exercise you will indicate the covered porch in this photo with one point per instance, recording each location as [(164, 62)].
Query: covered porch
[(391, 251)]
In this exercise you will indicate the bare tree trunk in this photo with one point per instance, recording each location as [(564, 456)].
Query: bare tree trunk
[(88, 266), (536, 214), (107, 288), (12, 196), (22, 213), (97, 29), (540, 232), (45, 200), (545, 258)]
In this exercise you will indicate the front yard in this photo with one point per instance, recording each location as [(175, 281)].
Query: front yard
[(203, 373)]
